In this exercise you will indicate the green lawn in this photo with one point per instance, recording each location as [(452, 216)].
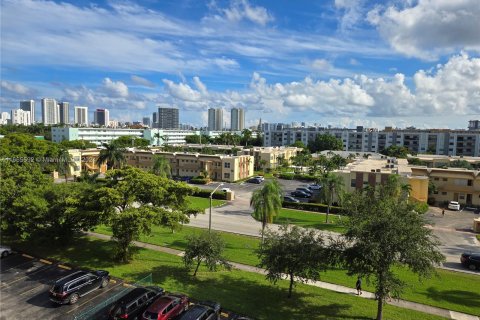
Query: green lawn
[(245, 292), (203, 203), (450, 290), (311, 220), (478, 237)]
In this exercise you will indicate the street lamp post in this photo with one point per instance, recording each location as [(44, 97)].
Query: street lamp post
[(210, 215)]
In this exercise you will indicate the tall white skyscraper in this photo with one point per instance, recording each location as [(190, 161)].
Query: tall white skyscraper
[(237, 119), (80, 115), (64, 110), (4, 118), (101, 117), (215, 119), (50, 111), (211, 119), (29, 105), (20, 116)]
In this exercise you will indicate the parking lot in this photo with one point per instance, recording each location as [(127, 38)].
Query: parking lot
[(26, 280)]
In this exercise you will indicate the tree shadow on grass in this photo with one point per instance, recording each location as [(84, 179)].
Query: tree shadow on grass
[(254, 297), (466, 298)]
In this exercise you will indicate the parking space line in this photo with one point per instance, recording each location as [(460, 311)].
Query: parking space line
[(45, 261), (64, 267), (28, 291), (27, 256), (78, 306)]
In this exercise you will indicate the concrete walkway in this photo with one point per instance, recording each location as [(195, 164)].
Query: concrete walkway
[(325, 285)]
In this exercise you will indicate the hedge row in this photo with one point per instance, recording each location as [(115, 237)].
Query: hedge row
[(315, 207), (206, 194), (199, 181), (296, 176)]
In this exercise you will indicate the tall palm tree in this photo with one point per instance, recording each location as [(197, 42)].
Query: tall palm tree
[(247, 135), (266, 203), (158, 137), (90, 178), (111, 154), (332, 186), (161, 167), (66, 162)]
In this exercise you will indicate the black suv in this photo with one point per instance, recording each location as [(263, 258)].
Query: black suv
[(134, 303), (202, 311), (68, 289)]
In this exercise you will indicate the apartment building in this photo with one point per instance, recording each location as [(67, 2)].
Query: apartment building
[(50, 111), (375, 171), (218, 167), (452, 184), (19, 116), (437, 161), (167, 118), (270, 157), (158, 137), (435, 141), (94, 135), (29, 105)]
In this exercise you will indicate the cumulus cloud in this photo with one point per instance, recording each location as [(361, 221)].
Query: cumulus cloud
[(14, 89), (142, 81), (429, 28), (115, 88), (182, 91), (242, 10), (352, 13)]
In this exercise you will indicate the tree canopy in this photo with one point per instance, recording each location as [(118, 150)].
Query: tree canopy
[(325, 142), (266, 203), (77, 144), (205, 247), (396, 151), (130, 142)]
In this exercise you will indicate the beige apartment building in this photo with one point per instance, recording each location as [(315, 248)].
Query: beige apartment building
[(375, 171), (435, 161), (452, 184), (218, 167), (270, 156)]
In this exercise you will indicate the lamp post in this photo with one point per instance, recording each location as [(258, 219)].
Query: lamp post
[(210, 215)]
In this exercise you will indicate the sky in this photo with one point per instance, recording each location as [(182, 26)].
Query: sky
[(340, 62)]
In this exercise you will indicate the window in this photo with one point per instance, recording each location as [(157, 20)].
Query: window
[(445, 179), (444, 193), (353, 183), (226, 175), (470, 183), (436, 179), (227, 164), (435, 192)]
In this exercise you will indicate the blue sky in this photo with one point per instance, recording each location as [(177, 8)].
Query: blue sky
[(339, 62)]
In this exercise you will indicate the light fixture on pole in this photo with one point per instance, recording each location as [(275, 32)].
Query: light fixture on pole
[(210, 215)]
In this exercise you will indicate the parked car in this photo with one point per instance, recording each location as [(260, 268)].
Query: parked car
[(226, 190), (254, 180), (134, 303), (454, 205), (314, 187), (5, 251), (259, 177), (76, 285), (300, 194), (471, 260), (290, 199), (305, 189), (202, 311), (166, 307)]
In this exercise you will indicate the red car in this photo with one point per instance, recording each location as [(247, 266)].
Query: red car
[(166, 307)]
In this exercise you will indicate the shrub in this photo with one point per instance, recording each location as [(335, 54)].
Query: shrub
[(307, 177), (286, 176), (315, 207), (199, 181), (206, 194)]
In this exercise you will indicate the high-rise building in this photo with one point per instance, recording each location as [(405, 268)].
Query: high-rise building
[(211, 119), (146, 121), (80, 116), (20, 116), (474, 125), (4, 118), (64, 111), (154, 120), (50, 111), (101, 117), (237, 119), (167, 118), (215, 119), (29, 105)]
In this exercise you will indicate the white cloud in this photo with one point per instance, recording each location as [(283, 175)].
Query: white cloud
[(321, 65), (353, 13), (242, 10), (142, 81), (15, 88), (200, 85), (429, 28), (182, 91), (115, 88)]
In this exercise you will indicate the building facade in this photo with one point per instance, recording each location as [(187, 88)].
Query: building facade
[(215, 119), (22, 117), (80, 116), (29, 105), (158, 137), (94, 135), (435, 141), (50, 111), (5, 118), (237, 119), (146, 121), (64, 111), (168, 118), (101, 117)]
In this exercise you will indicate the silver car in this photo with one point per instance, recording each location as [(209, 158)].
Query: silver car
[(5, 251)]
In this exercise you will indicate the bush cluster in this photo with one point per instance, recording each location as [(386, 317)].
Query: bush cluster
[(315, 207), (206, 194)]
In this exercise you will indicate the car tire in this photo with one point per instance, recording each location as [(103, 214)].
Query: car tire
[(5, 254), (104, 283), (472, 266), (73, 298)]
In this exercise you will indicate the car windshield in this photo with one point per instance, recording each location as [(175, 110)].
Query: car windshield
[(150, 315), (57, 288)]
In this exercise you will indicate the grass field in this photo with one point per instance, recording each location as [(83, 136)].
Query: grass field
[(451, 290), (203, 203), (311, 220), (243, 292)]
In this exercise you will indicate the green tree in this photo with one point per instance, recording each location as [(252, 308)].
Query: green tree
[(161, 167), (460, 164), (294, 251), (130, 141), (158, 137), (77, 144), (396, 151), (384, 231), (303, 158), (325, 142), (144, 199), (65, 163), (205, 247), (332, 187), (246, 136), (113, 155), (266, 203), (299, 144)]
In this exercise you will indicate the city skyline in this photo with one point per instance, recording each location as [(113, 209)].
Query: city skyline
[(339, 63)]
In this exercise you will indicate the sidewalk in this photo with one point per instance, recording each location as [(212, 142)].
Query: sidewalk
[(325, 285)]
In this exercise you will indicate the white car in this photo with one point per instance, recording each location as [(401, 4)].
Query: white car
[(314, 187), (262, 178), (226, 190), (454, 205), (5, 251)]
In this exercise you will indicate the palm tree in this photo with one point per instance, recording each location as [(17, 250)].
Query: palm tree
[(112, 155), (332, 185), (263, 163), (266, 203), (66, 162), (161, 167), (85, 176), (158, 137), (247, 135)]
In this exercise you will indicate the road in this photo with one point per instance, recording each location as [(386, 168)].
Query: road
[(235, 216)]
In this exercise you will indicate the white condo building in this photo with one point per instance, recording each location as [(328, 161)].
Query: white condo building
[(20, 116), (64, 111), (215, 119), (29, 105), (80, 116), (4, 117), (237, 119), (50, 111)]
